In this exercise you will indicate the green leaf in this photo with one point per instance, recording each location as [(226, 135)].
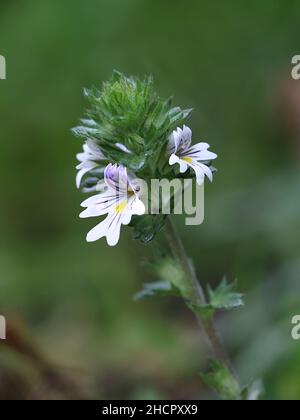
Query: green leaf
[(253, 391), (205, 311), (168, 270), (221, 380), (146, 227), (224, 297), (171, 282), (159, 288)]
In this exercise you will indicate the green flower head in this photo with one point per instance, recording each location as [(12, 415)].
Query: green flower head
[(127, 114)]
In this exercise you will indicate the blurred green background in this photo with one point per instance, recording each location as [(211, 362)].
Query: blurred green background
[(74, 329)]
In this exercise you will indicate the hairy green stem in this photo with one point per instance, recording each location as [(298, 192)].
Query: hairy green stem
[(197, 295)]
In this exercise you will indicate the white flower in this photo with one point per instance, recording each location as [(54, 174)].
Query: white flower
[(89, 159), (120, 200), (181, 152)]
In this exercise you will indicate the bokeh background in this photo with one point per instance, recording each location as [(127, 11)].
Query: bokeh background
[(73, 328)]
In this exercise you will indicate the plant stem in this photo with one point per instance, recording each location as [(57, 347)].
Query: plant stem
[(197, 294)]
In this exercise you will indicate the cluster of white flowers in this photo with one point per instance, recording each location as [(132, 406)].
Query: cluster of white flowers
[(120, 195)]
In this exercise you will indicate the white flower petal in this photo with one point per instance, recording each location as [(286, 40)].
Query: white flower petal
[(186, 138), (109, 227), (113, 233), (200, 146), (199, 174), (100, 230), (207, 171), (173, 159), (100, 208), (91, 211), (89, 159), (204, 155), (82, 172), (201, 170), (95, 150), (101, 198), (81, 156), (87, 164), (182, 164), (126, 217), (199, 152), (116, 178), (138, 207), (174, 140)]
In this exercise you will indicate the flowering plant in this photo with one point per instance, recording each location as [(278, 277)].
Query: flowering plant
[(130, 137)]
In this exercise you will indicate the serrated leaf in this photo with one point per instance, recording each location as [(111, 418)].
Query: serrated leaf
[(159, 288), (221, 380), (224, 297), (221, 299)]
